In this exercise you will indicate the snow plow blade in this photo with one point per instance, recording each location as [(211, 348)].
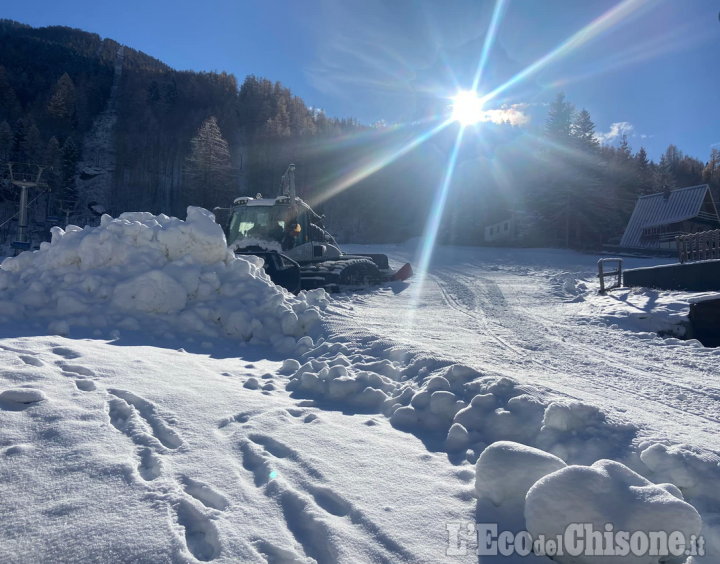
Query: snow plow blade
[(403, 274)]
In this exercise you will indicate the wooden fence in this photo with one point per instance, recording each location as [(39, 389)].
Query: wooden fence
[(698, 246), (602, 273)]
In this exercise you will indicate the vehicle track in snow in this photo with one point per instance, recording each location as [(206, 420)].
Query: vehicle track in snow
[(621, 377), (520, 327)]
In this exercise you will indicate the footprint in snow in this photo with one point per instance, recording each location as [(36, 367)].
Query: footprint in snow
[(31, 360), (205, 494), (75, 369), (201, 536), (66, 352), (150, 466), (85, 385), (239, 418), (121, 416)]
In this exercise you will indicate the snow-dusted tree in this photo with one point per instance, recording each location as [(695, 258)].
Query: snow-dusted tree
[(208, 170)]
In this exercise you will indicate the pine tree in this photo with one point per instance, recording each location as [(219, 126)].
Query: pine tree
[(33, 145), (19, 135), (711, 172), (624, 151), (644, 171), (558, 125), (208, 168), (9, 105), (62, 103), (52, 158), (153, 94), (68, 166), (6, 140), (583, 131), (642, 160), (664, 179)]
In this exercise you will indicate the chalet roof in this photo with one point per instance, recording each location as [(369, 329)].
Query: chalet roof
[(655, 210)]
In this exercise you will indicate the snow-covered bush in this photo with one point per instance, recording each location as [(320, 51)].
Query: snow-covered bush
[(158, 274)]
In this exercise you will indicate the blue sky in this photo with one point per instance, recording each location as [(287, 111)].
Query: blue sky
[(653, 74)]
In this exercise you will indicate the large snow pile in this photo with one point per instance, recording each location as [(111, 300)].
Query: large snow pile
[(607, 493), (159, 274)]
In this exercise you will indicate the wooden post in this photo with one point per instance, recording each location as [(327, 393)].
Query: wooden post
[(679, 247), (602, 277)]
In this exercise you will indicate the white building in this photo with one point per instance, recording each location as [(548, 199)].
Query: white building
[(502, 231)]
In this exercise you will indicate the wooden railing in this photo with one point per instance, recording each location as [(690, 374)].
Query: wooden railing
[(698, 246), (602, 273)]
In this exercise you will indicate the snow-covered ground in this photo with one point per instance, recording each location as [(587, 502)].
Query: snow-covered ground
[(157, 430)]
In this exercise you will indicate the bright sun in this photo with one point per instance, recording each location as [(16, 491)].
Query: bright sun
[(467, 107)]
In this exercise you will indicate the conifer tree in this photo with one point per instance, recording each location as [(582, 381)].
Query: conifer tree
[(68, 166), (558, 125), (62, 103), (583, 131), (208, 168), (664, 179), (33, 145), (6, 140)]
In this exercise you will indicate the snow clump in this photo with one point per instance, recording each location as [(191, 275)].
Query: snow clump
[(23, 395), (506, 471), (158, 274), (606, 493)]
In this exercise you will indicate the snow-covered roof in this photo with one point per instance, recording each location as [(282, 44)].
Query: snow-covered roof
[(655, 209)]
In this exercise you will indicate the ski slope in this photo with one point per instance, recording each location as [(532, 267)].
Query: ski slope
[(144, 435)]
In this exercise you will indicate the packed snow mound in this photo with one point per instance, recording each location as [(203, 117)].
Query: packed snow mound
[(158, 274), (506, 471), (606, 493)]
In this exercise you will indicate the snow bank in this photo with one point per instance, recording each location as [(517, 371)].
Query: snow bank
[(469, 409), (606, 493), (694, 471), (158, 274), (643, 309)]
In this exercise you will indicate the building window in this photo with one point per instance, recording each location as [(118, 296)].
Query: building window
[(507, 225)]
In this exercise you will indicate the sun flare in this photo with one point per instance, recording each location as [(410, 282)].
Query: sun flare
[(467, 107)]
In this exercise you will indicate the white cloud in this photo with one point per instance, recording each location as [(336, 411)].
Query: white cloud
[(514, 114), (616, 130)]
